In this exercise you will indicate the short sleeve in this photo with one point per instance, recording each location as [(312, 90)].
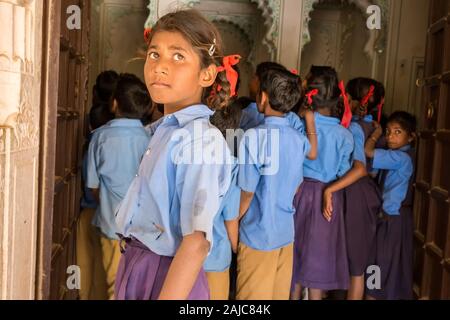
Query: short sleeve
[(296, 123), (92, 175), (346, 153), (249, 166), (358, 137), (232, 202), (201, 188), (390, 159)]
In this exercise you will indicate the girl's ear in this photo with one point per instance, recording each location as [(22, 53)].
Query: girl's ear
[(412, 137), (208, 76)]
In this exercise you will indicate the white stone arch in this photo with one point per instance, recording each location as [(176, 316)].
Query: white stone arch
[(376, 40)]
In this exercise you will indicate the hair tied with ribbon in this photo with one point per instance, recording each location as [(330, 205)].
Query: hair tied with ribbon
[(231, 74), (347, 117), (147, 32), (380, 109), (311, 94), (294, 71), (366, 98)]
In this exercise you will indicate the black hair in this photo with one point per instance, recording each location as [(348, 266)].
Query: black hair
[(282, 88), (131, 94), (228, 118), (104, 86), (406, 120), (99, 115), (325, 80), (358, 89), (263, 67), (243, 102)]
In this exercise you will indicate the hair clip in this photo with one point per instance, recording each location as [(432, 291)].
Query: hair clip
[(212, 49), (147, 32), (294, 71)]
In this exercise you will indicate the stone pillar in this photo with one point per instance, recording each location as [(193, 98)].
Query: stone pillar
[(20, 76)]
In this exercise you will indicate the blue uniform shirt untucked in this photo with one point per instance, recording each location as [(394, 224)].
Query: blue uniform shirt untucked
[(400, 169), (271, 166), (219, 258), (114, 154), (182, 180), (335, 147)]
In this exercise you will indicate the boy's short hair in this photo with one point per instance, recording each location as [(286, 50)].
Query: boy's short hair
[(282, 88), (104, 86), (132, 96), (263, 67), (406, 120)]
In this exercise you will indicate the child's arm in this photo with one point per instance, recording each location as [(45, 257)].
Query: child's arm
[(246, 199), (357, 172), (372, 141), (311, 134), (232, 227), (185, 267), (96, 194)]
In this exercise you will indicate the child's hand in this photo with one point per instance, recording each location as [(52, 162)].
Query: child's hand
[(234, 247), (378, 130), (327, 205)]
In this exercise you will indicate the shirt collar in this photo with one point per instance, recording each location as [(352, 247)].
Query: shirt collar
[(186, 115), (321, 118), (405, 148), (124, 122), (281, 121)]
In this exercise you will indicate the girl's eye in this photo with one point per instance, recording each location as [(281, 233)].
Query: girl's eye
[(178, 57), (153, 55), (398, 132)]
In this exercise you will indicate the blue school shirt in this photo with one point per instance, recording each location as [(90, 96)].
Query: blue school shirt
[(219, 258), (359, 138), (335, 147), (271, 166), (114, 154), (181, 182), (400, 169), (251, 118)]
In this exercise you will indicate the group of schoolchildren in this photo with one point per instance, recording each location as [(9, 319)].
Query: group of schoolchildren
[(317, 189)]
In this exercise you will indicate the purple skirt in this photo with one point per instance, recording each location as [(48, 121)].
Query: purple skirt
[(362, 205), (394, 256), (142, 272), (320, 253)]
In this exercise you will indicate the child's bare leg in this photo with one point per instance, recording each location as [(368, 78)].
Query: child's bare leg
[(356, 290), (314, 294), (297, 293)]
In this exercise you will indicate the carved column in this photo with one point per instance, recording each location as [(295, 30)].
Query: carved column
[(20, 70)]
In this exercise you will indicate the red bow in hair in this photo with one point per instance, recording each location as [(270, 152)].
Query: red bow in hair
[(147, 32), (294, 71), (231, 74), (365, 100), (311, 94), (380, 109), (347, 117)]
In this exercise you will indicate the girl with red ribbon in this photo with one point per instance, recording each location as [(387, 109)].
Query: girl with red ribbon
[(320, 261), (361, 192)]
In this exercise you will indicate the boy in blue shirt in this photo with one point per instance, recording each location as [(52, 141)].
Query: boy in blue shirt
[(114, 155), (394, 243), (271, 170)]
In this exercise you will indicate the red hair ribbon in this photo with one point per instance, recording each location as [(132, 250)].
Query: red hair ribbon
[(231, 74), (147, 32), (294, 71), (347, 117), (365, 100), (311, 94), (380, 109)]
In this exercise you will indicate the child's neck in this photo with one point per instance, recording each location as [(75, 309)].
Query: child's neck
[(269, 112), (325, 112), (174, 107)]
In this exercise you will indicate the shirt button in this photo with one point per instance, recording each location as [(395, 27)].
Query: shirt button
[(139, 205), (137, 176), (148, 152)]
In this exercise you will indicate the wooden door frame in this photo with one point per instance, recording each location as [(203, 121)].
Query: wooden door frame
[(47, 148)]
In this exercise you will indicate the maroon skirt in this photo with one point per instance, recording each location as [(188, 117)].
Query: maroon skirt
[(142, 272), (394, 256), (320, 253), (362, 205)]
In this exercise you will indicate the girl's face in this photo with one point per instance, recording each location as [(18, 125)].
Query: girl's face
[(396, 136), (173, 73)]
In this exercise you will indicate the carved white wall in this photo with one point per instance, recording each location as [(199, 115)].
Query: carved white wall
[(20, 77)]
